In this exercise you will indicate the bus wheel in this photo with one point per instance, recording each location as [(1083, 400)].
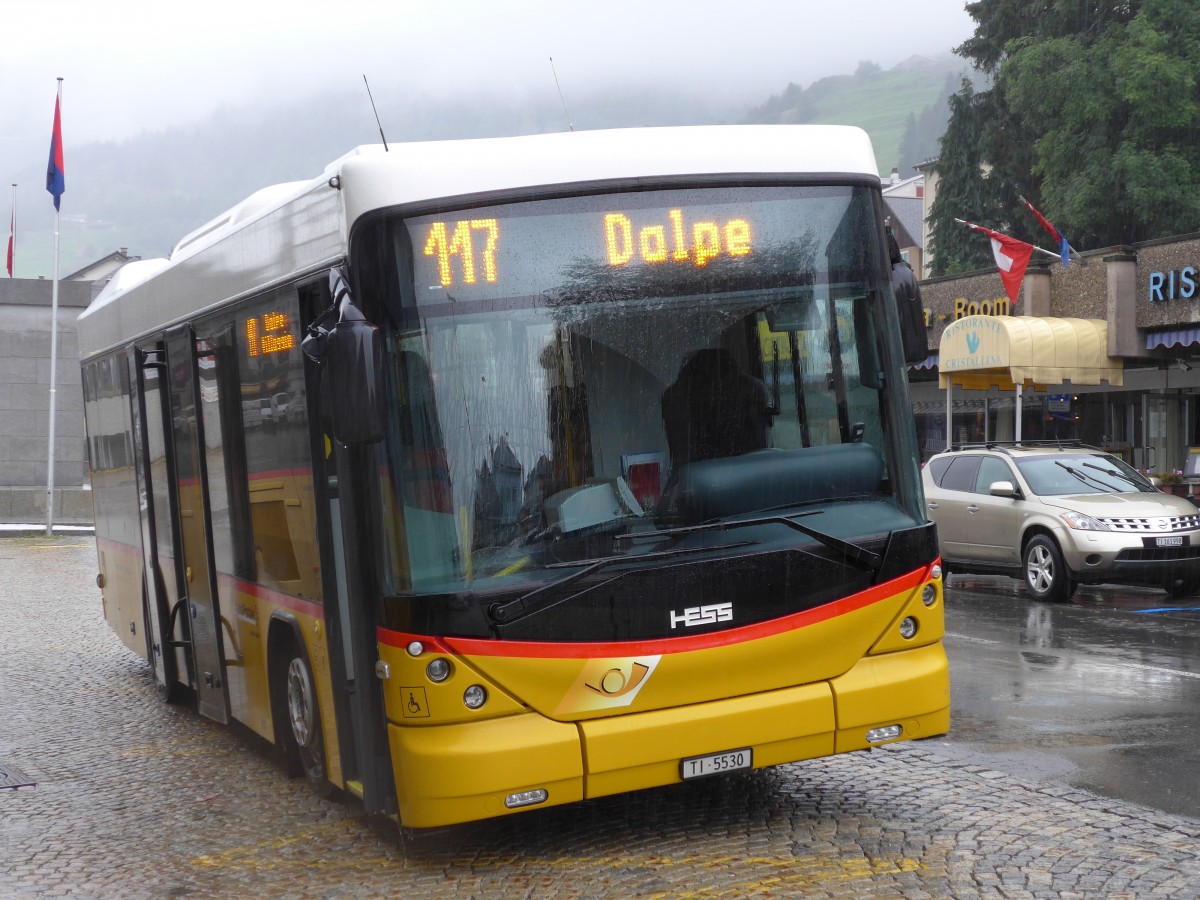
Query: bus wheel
[(303, 731)]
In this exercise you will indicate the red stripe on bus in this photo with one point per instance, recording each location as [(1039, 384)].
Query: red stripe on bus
[(279, 598), (757, 631), (296, 604)]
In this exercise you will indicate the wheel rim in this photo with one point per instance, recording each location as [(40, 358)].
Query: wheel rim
[(301, 705), (1039, 569)]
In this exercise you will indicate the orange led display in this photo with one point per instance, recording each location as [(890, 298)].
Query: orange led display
[(443, 243), (696, 244), (268, 335)]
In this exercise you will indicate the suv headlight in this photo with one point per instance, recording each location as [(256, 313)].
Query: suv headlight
[(1080, 522)]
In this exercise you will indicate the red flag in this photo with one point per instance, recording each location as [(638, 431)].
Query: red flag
[(12, 238), (1012, 257), (56, 178), (1064, 248)]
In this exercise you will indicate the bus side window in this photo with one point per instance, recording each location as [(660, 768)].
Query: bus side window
[(278, 467)]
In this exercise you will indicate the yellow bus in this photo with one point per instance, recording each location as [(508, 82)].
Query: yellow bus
[(484, 476)]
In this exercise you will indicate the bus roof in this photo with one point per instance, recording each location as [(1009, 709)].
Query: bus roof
[(238, 252), (411, 173)]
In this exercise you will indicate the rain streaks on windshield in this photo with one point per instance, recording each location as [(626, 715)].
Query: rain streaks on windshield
[(567, 375)]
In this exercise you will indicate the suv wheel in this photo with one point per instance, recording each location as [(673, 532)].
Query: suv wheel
[(1185, 587), (1046, 574)]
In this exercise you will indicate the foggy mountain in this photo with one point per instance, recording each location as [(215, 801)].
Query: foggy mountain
[(147, 192)]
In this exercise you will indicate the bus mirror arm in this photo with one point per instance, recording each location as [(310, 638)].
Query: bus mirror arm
[(350, 355), (316, 337)]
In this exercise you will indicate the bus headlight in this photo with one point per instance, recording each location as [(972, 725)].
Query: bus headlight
[(929, 595), (438, 669), (475, 696), (908, 627)]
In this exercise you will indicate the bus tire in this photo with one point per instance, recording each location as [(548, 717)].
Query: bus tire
[(300, 730)]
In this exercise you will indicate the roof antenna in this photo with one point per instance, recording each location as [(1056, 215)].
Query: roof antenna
[(373, 109), (560, 94)]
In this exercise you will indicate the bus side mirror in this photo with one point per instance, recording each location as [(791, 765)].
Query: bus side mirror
[(909, 310), (350, 355), (910, 313)]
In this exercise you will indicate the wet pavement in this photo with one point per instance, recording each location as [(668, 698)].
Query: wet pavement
[(1101, 693), (134, 798)]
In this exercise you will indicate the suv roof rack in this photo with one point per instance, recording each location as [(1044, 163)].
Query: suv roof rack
[(1006, 446)]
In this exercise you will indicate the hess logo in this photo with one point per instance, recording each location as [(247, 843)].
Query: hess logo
[(702, 615)]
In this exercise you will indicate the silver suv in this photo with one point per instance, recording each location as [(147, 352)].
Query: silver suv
[(1056, 516)]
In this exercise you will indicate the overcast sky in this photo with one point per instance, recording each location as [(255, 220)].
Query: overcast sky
[(136, 66)]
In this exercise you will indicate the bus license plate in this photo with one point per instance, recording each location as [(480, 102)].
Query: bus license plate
[(1176, 541), (715, 763)]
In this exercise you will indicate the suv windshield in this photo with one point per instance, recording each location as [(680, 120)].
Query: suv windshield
[(582, 379), (1082, 474)]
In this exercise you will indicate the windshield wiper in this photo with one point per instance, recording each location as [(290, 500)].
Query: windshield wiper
[(543, 596), (536, 599), (1086, 478), (866, 559), (1117, 472)]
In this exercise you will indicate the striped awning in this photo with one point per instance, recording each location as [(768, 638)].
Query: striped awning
[(1175, 337), (929, 362), (979, 352)]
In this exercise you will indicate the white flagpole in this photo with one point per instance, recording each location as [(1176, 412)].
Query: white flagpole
[(12, 222), (53, 366)]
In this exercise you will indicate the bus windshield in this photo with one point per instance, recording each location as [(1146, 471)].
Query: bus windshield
[(589, 379)]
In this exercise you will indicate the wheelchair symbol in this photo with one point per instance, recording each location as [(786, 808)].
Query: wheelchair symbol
[(414, 703)]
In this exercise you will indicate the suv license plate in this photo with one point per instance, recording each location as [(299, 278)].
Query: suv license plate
[(1176, 541), (715, 763)]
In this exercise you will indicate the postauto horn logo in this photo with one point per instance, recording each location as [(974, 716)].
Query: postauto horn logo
[(607, 684)]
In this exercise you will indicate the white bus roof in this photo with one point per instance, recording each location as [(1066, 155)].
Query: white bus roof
[(411, 173), (239, 252)]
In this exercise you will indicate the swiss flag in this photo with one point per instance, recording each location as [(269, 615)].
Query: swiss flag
[(1012, 258)]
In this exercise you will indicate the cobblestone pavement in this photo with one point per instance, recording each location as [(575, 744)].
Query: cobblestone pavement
[(138, 799)]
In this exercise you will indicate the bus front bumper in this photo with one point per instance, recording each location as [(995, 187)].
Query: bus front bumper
[(453, 773)]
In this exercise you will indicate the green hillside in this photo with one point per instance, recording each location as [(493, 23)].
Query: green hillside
[(877, 101)]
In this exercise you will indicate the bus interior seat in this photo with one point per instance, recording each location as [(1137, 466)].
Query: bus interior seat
[(767, 479), (714, 409)]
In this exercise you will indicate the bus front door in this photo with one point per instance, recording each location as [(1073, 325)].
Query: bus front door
[(159, 592), (178, 513)]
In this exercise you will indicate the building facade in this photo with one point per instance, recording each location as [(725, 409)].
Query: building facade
[(25, 335), (1145, 299)]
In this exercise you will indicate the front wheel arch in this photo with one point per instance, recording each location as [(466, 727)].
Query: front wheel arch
[(295, 710)]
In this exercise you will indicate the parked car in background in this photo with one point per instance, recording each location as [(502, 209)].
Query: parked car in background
[(1057, 515)]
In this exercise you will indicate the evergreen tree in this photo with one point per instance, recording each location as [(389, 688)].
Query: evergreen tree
[(1093, 113), (962, 191), (922, 132)]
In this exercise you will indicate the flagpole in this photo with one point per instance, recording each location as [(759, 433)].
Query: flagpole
[(53, 363), (1034, 246), (12, 235)]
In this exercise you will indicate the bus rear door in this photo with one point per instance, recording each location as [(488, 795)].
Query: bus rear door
[(181, 580)]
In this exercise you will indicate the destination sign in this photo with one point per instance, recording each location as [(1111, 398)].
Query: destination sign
[(466, 250), (268, 333), (657, 243)]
